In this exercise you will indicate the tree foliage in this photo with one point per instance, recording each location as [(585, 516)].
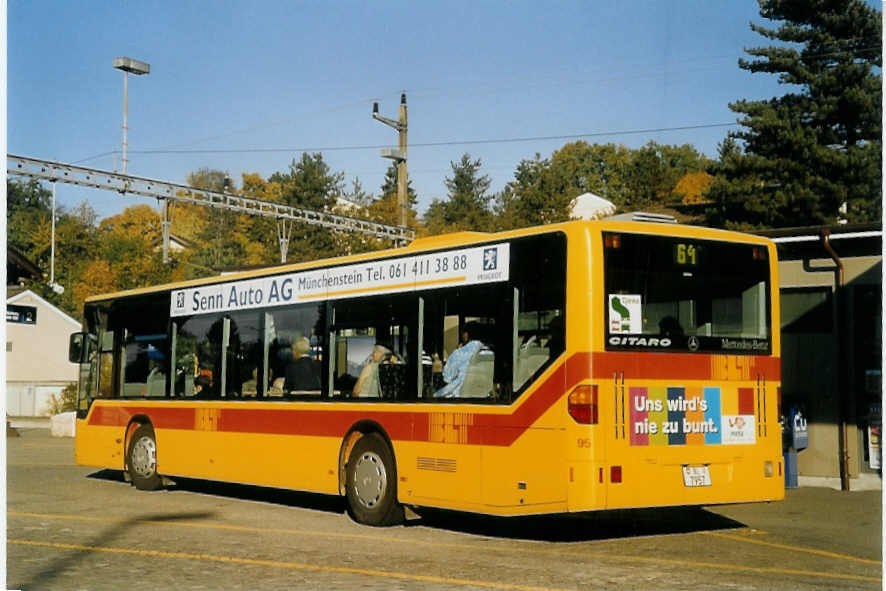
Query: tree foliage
[(691, 187), (389, 186), (310, 184), (544, 189), (803, 156), (467, 206)]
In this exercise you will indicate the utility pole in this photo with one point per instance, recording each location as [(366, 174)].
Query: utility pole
[(398, 156)]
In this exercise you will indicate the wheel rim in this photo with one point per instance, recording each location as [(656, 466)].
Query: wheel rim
[(370, 480), (143, 459)]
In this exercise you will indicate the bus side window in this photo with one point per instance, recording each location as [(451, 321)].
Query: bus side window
[(105, 375), (198, 356), (538, 280), (243, 356), (145, 365), (464, 330), (375, 348), (185, 374), (294, 343), (539, 339)]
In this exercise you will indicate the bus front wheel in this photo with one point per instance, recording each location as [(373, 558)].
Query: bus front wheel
[(372, 483), (141, 459)]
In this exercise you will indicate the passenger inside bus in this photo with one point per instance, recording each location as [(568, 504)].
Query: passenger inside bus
[(455, 371), (301, 373), (367, 385), (670, 327)]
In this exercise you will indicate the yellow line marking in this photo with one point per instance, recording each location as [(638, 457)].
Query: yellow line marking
[(289, 565), (793, 548), (735, 567), (384, 287), (469, 547), (219, 526), (22, 464)]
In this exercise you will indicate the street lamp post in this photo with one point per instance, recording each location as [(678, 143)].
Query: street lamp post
[(128, 66), (55, 286)]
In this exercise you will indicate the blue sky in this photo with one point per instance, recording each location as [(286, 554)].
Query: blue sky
[(260, 75)]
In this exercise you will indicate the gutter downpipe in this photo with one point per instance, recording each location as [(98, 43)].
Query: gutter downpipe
[(842, 368)]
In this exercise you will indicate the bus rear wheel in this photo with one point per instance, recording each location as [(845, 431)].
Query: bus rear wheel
[(372, 483), (141, 459)]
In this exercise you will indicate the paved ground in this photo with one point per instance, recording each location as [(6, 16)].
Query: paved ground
[(78, 528)]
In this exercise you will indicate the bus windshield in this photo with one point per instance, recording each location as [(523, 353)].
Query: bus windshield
[(686, 294)]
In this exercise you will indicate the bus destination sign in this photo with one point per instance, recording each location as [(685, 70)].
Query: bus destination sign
[(469, 266)]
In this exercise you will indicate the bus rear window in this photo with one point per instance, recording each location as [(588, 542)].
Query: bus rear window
[(671, 293)]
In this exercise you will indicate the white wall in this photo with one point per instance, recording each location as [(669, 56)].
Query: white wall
[(37, 365)]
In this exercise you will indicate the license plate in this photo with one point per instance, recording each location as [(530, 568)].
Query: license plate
[(696, 476)]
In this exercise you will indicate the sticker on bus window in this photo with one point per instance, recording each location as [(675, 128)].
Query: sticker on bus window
[(625, 314), (738, 429)]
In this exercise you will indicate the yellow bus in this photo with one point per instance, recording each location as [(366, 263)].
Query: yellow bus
[(567, 368)]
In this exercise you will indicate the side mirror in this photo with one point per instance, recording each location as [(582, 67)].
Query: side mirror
[(81, 347), (77, 347)]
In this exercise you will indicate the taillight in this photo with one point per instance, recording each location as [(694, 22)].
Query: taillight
[(778, 401), (583, 404), (615, 474)]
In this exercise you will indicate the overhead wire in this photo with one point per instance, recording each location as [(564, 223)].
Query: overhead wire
[(442, 143), (430, 92)]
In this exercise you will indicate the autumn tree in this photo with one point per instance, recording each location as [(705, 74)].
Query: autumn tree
[(29, 226), (263, 246), (691, 187), (27, 208), (130, 243), (544, 189), (654, 171), (812, 155), (222, 236)]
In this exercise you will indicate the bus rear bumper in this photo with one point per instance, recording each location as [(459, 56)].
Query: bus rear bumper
[(659, 484)]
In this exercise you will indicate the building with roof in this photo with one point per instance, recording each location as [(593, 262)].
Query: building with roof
[(831, 335), (37, 366)]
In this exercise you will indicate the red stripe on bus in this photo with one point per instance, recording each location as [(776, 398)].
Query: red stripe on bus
[(745, 401), (503, 430), (683, 366), (479, 428), (465, 424), (162, 418), (313, 422)]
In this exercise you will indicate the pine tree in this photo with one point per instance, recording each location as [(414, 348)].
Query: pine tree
[(310, 184), (467, 206), (815, 151), (389, 186)]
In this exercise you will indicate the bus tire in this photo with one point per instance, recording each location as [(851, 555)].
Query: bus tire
[(141, 459), (371, 483)]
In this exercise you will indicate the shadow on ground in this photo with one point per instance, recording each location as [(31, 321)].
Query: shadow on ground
[(105, 538), (603, 525), (245, 492)]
